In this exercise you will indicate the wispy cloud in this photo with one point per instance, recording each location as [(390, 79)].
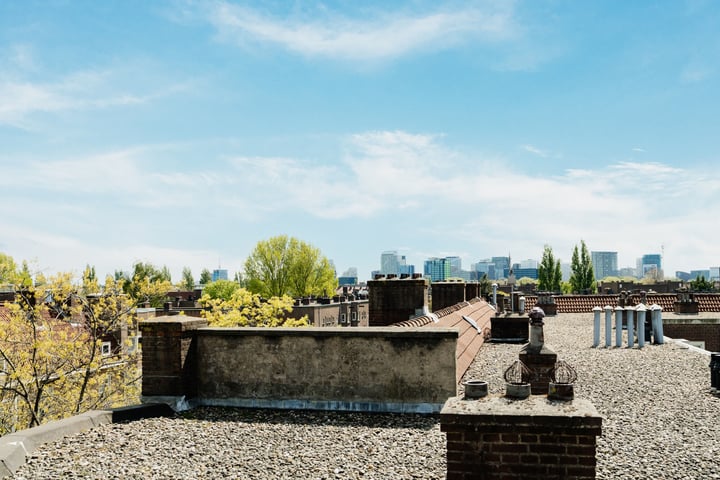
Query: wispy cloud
[(535, 151), (481, 201), (23, 99), (385, 36)]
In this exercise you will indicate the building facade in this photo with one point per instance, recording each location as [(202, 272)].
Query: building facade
[(604, 264)]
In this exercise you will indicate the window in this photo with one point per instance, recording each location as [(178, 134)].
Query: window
[(106, 349), (353, 316), (342, 318)]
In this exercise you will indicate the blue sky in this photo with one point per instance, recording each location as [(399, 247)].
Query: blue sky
[(182, 132)]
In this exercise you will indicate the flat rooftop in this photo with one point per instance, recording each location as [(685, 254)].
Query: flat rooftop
[(660, 422)]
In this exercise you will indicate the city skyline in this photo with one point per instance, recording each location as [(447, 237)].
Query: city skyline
[(182, 133)]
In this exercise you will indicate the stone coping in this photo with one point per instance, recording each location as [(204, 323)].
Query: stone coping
[(16, 447), (537, 405), (355, 332)]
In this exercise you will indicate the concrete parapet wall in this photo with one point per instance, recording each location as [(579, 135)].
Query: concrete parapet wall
[(361, 369)]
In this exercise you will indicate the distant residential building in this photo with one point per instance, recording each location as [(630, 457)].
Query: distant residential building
[(437, 269), (219, 274), (604, 264)]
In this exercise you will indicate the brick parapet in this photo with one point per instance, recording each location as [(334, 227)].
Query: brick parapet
[(496, 438), (167, 354)]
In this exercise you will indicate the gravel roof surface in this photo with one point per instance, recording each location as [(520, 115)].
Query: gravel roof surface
[(660, 422)]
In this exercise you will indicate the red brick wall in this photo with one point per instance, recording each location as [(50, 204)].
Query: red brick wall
[(529, 444), (395, 300), (708, 333)]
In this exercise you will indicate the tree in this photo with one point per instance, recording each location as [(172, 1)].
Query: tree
[(485, 286), (89, 281), (53, 362), (188, 282), (549, 272), (284, 265), (8, 269), (701, 285), (247, 309), (582, 277), (148, 284), (220, 289), (205, 276)]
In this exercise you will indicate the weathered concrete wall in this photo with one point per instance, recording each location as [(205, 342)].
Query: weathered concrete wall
[(384, 369), (361, 369)]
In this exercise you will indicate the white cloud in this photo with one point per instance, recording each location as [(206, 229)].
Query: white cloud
[(388, 35), (535, 151), (22, 100), (438, 196)]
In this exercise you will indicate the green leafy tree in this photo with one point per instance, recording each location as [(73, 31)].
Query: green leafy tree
[(222, 289), (582, 277), (284, 265), (188, 282), (148, 284), (205, 276), (8, 269), (89, 281), (549, 272), (53, 364), (700, 284), (23, 276), (485, 286)]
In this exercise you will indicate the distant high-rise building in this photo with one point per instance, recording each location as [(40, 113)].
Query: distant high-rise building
[(455, 266), (502, 267), (485, 267), (651, 264), (438, 269), (604, 264), (714, 274), (389, 262), (392, 263), (529, 263), (349, 277), (627, 272), (566, 270), (695, 274), (219, 274)]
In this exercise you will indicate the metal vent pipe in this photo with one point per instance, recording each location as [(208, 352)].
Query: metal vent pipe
[(641, 311), (596, 326), (608, 325), (630, 320), (618, 325)]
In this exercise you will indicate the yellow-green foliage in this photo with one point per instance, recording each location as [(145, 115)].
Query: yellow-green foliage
[(246, 309), (50, 354)]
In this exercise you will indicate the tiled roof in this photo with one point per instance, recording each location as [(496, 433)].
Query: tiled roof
[(470, 339), (707, 302)]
